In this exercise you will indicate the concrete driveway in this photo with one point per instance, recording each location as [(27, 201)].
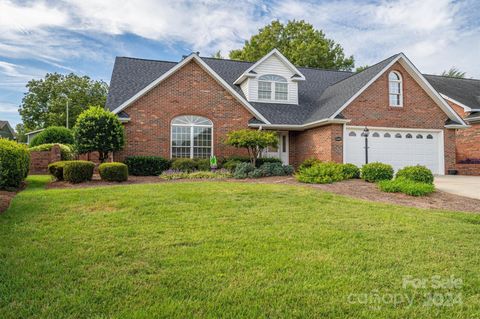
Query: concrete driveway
[(468, 186)]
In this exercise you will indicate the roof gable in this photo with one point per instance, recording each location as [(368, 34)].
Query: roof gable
[(463, 92)]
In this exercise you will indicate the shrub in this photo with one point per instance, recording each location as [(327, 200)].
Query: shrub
[(321, 173), (146, 165), (416, 173), (272, 169), (113, 172), (288, 169), (256, 173), (375, 172), (185, 164), (231, 165), (14, 163), (56, 169), (66, 151), (242, 170), (309, 163), (52, 135), (78, 171), (350, 171), (406, 186), (175, 174), (171, 174), (263, 160), (203, 164)]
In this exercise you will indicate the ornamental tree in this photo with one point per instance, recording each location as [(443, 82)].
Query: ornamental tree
[(98, 130), (255, 141), (53, 134)]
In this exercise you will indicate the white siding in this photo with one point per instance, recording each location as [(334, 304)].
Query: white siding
[(272, 65)]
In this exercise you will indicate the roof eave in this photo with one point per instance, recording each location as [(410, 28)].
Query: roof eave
[(299, 127)]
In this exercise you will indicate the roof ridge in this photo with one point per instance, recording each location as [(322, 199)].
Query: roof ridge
[(451, 77), (144, 59)]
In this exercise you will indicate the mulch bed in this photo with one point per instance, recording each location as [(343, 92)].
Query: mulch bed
[(353, 188), (6, 197)]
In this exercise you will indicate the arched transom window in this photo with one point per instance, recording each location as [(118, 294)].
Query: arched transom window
[(191, 137), (395, 89), (272, 87)]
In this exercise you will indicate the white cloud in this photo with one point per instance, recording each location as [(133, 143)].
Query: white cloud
[(6, 107)]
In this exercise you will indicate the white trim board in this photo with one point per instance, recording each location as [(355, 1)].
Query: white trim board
[(299, 127), (209, 70), (419, 78)]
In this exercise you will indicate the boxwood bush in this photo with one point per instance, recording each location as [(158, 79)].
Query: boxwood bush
[(78, 171), (113, 172), (14, 163), (321, 173), (416, 173), (185, 164), (406, 186), (376, 171), (350, 171), (66, 151), (309, 163), (56, 169), (53, 134), (146, 165)]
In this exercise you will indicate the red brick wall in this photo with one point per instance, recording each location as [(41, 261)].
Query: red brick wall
[(468, 169), (190, 91), (372, 108), (318, 143), (39, 160), (468, 142)]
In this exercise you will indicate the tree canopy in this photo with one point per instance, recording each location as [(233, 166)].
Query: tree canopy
[(45, 102), (300, 42), (454, 73), (255, 141)]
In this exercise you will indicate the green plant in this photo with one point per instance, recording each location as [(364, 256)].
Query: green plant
[(242, 170), (78, 171), (203, 164), (98, 130), (53, 135), (376, 171), (350, 171), (309, 163), (185, 164), (416, 173), (406, 186), (14, 163), (288, 169), (231, 165), (56, 169), (66, 151), (263, 160), (175, 174), (146, 165), (272, 169), (321, 173), (255, 141), (256, 173), (113, 172)]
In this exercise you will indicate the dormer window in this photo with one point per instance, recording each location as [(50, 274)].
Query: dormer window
[(268, 84), (395, 89)]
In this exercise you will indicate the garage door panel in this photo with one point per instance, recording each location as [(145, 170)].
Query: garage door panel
[(398, 148)]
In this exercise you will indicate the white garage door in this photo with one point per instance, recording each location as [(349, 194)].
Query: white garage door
[(398, 148)]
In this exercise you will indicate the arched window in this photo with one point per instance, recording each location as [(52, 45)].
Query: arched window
[(395, 89), (191, 137), (352, 134), (398, 135), (419, 136), (429, 137), (272, 83), (376, 134), (387, 135), (409, 135)]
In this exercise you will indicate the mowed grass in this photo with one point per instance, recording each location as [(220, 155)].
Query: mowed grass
[(229, 250)]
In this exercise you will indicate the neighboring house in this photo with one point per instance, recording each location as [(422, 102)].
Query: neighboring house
[(186, 109), (6, 131), (32, 134)]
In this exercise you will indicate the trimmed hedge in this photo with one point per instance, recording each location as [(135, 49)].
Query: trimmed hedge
[(184, 164), (321, 173), (78, 171), (14, 163), (53, 134), (376, 171), (113, 172), (146, 165), (350, 171), (66, 151), (56, 169), (406, 186), (416, 173)]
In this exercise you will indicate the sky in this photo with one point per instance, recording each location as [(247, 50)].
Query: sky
[(84, 36)]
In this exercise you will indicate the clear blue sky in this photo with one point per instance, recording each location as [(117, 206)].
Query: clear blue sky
[(84, 36)]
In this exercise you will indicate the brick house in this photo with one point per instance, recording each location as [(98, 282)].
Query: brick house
[(186, 109)]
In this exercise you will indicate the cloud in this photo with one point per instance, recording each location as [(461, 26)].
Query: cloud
[(6, 107)]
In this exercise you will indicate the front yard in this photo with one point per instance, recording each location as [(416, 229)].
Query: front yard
[(219, 249)]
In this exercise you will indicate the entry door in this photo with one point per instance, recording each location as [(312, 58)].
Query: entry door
[(281, 151)]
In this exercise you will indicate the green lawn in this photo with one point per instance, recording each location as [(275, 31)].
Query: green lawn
[(230, 250)]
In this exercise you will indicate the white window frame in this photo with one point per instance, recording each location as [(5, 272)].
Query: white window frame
[(273, 87), (191, 125), (400, 94)]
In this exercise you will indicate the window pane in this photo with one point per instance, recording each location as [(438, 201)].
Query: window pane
[(272, 77), (202, 142), (393, 76), (281, 91), (264, 90), (180, 141), (394, 87)]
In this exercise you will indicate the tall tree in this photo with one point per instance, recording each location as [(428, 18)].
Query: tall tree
[(454, 73), (299, 42), (21, 137), (45, 103)]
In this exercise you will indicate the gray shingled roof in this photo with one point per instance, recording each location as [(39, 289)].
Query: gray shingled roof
[(2, 124), (320, 95), (465, 91)]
